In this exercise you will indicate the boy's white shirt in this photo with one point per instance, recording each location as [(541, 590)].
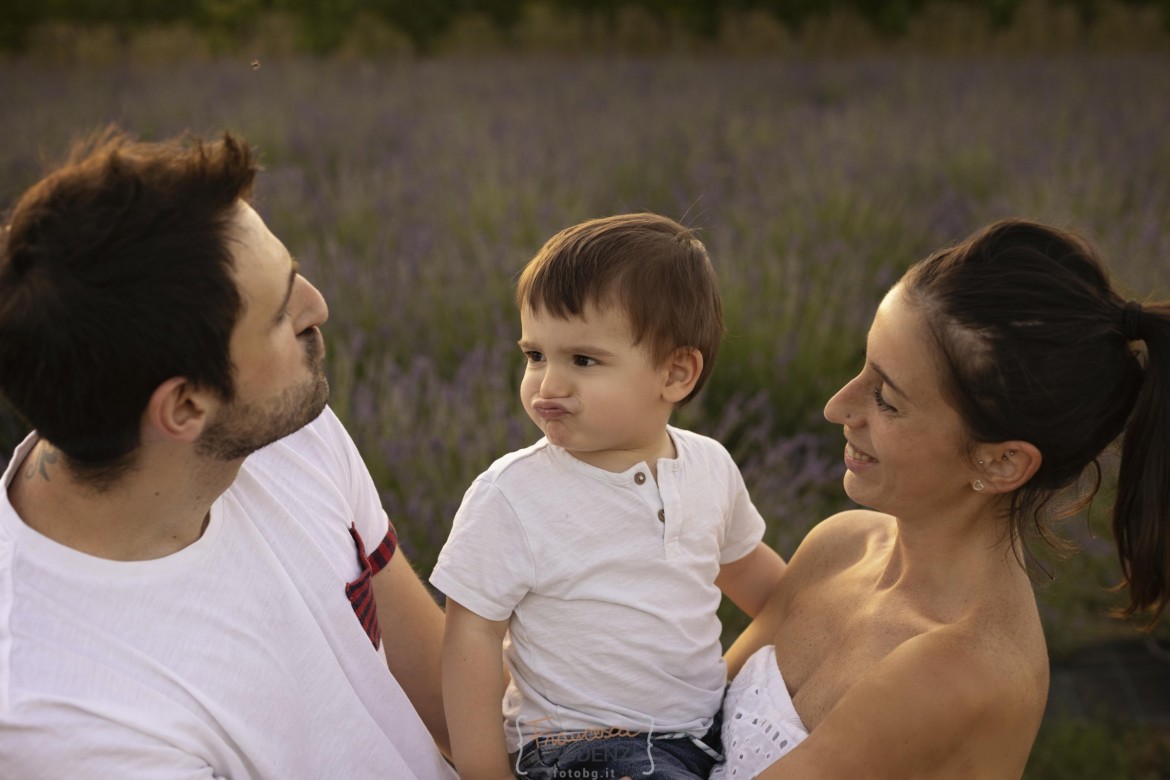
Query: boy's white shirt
[(613, 612)]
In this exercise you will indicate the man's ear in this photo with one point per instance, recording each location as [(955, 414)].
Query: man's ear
[(1006, 466), (683, 368), (179, 411)]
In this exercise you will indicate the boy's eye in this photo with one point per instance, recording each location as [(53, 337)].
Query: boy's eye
[(583, 361), (881, 401), (533, 356)]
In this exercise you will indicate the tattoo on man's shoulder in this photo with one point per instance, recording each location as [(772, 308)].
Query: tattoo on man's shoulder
[(45, 457)]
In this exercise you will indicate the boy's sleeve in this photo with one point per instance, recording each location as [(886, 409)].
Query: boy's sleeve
[(745, 526), (486, 565)]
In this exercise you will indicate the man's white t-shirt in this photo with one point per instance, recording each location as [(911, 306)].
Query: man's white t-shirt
[(240, 656), (609, 583)]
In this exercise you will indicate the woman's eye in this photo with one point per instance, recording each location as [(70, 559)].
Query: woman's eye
[(881, 401)]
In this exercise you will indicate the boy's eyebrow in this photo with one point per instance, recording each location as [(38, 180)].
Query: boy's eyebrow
[(582, 349), (292, 277)]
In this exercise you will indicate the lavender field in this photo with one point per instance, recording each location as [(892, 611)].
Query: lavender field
[(413, 192)]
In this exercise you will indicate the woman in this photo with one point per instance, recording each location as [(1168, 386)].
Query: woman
[(904, 641)]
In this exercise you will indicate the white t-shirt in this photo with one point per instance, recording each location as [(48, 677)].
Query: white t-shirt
[(612, 610), (240, 656)]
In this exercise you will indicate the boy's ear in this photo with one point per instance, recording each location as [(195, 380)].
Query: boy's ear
[(683, 368), (1006, 466), (178, 411)]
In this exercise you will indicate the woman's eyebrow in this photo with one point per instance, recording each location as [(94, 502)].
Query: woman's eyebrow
[(886, 379)]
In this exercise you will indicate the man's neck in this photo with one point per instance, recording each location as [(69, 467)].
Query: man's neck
[(157, 508)]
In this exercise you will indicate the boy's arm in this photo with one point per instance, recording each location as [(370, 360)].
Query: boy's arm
[(473, 692), (750, 581)]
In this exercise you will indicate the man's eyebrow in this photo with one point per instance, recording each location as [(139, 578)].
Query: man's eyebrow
[(886, 378), (292, 278)]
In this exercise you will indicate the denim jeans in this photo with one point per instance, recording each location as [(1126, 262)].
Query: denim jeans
[(637, 757)]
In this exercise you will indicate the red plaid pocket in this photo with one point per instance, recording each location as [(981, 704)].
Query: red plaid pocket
[(360, 591)]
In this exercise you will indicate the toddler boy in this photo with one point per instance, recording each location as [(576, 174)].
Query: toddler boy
[(593, 561)]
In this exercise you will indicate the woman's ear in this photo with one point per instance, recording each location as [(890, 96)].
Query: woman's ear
[(683, 368), (178, 411), (1007, 466)]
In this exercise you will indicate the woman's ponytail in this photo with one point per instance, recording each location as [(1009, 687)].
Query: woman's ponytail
[(1141, 513)]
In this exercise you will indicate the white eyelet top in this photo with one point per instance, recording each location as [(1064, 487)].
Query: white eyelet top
[(760, 723)]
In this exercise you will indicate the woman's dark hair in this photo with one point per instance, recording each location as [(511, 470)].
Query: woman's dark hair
[(1037, 346), (115, 275)]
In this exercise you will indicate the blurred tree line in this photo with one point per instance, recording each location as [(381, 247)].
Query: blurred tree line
[(325, 22)]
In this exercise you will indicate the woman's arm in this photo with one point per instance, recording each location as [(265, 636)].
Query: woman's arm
[(932, 708)]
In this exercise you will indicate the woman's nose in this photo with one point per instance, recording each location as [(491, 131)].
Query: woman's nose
[(840, 409)]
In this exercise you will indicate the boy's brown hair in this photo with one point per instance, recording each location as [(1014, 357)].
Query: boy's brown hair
[(650, 266)]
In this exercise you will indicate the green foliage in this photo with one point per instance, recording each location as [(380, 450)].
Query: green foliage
[(424, 23), (324, 24), (1069, 749), (229, 17), (17, 20)]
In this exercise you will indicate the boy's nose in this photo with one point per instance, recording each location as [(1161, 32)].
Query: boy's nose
[(553, 383)]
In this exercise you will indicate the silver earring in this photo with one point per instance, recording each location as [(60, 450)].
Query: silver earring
[(980, 462), (977, 485), (1009, 454)]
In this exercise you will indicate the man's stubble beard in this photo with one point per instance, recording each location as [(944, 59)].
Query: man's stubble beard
[(242, 428)]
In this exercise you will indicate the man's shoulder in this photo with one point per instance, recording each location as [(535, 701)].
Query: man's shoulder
[(325, 429), (316, 461), (324, 436)]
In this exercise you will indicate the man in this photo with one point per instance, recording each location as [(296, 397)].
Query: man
[(196, 576)]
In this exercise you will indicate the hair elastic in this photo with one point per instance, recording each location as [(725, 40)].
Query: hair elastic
[(1131, 321)]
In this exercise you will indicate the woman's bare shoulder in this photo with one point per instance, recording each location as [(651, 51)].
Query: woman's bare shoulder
[(832, 546), (842, 539)]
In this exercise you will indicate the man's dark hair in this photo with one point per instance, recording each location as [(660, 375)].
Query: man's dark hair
[(116, 274)]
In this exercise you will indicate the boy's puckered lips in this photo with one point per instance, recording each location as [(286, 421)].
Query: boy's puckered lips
[(549, 410)]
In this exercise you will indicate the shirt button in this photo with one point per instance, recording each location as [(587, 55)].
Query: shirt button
[(662, 515), (639, 478)]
